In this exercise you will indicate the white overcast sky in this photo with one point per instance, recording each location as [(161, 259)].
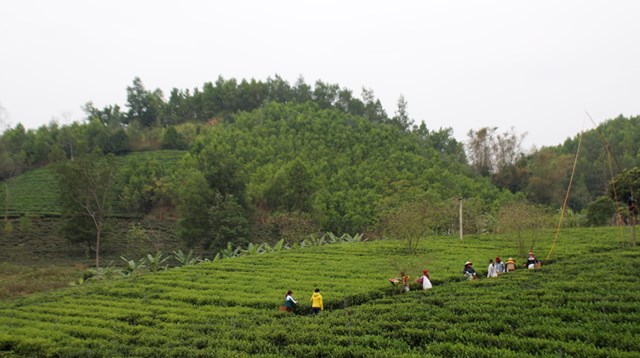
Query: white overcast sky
[(537, 66)]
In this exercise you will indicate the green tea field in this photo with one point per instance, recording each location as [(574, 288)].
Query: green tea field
[(582, 302), (36, 192)]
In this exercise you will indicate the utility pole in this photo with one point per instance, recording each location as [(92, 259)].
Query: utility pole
[(633, 212), (460, 216)]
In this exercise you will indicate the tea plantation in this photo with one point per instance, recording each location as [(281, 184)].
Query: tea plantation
[(582, 302)]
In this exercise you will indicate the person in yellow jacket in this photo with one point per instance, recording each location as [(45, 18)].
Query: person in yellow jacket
[(316, 302)]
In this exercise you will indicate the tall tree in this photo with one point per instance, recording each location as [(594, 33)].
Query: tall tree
[(144, 106), (194, 201), (86, 191), (291, 189), (627, 188), (549, 176), (480, 150), (401, 119), (301, 91), (373, 109), (499, 156)]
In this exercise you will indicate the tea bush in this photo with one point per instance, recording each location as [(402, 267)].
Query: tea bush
[(581, 303)]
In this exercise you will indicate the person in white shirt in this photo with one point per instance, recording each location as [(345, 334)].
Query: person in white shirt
[(289, 302), (491, 270), (425, 280)]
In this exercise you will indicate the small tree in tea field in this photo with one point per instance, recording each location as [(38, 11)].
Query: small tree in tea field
[(410, 223), (86, 191), (519, 217)]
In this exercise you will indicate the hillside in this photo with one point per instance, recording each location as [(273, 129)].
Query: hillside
[(282, 170), (581, 303), (36, 192)]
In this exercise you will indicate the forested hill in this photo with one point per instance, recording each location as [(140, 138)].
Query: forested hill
[(267, 160), (290, 170), (603, 153), (344, 170)]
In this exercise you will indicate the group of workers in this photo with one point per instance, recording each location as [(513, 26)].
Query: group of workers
[(498, 267), (494, 270), (424, 281), (316, 302)]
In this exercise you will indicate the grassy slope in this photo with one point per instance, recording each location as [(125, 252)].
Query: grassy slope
[(36, 192), (581, 303)]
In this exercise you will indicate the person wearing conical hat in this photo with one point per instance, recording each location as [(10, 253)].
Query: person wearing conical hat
[(468, 271), (511, 264)]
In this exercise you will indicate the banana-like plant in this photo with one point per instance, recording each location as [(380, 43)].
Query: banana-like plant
[(132, 266), (100, 273), (314, 240), (185, 259), (156, 261), (333, 238), (280, 246), (354, 238), (229, 251), (253, 249)]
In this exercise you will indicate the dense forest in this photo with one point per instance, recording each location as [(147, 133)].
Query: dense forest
[(263, 160)]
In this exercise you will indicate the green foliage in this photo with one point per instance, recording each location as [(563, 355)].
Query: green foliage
[(222, 170), (194, 200), (132, 266), (277, 247), (324, 153), (99, 273), (352, 162), (581, 303), (173, 140), (144, 106), (143, 185), (26, 225), (228, 222), (185, 259), (7, 227), (18, 280), (410, 223), (248, 127), (86, 191), (33, 192), (291, 227), (155, 261), (524, 220), (291, 189), (601, 211), (626, 185), (607, 150)]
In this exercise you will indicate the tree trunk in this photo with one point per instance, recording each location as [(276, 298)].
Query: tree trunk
[(6, 202), (98, 233)]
